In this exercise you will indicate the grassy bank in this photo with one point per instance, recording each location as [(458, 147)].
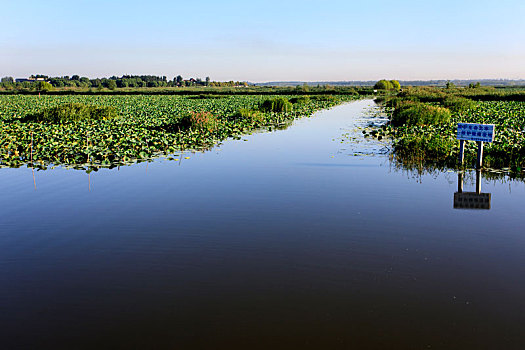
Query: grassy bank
[(424, 125)]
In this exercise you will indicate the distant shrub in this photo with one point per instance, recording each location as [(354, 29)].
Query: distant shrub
[(248, 114), (199, 121), (387, 85), (300, 100), (73, 112), (278, 104), (383, 85), (395, 84), (458, 104), (44, 86), (112, 84), (416, 113)]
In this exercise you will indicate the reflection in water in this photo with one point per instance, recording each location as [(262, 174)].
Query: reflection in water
[(280, 242), (471, 200)]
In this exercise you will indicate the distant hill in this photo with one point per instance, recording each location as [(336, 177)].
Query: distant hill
[(457, 82)]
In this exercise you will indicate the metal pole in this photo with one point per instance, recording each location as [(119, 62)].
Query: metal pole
[(461, 151), (479, 162), (478, 181), (460, 182)]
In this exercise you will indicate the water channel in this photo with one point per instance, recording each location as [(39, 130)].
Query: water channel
[(301, 238)]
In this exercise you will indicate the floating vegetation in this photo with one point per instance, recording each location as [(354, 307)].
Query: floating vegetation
[(90, 135)]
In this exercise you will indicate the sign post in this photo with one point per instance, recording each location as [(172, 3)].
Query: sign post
[(471, 200), (474, 132)]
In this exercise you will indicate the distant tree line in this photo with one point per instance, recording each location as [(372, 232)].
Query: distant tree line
[(41, 82)]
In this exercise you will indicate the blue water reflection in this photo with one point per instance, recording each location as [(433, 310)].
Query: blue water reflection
[(277, 240)]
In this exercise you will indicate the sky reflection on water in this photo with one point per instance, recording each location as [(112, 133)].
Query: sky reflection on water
[(280, 241)]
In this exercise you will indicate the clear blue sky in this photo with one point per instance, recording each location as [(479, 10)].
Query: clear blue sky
[(265, 40)]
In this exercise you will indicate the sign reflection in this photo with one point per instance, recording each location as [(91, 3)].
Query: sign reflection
[(471, 200)]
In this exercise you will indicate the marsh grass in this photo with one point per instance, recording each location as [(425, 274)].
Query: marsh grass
[(458, 104), (277, 105), (300, 100), (248, 115), (417, 113), (73, 112), (198, 121)]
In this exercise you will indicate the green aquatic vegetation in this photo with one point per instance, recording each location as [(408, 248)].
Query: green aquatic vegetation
[(417, 113), (278, 104), (458, 104), (251, 115), (434, 143), (148, 126), (300, 100), (330, 98), (198, 121), (437, 144), (73, 112)]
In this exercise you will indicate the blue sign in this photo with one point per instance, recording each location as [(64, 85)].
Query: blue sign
[(476, 132)]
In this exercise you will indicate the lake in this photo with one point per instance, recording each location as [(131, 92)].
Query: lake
[(308, 238)]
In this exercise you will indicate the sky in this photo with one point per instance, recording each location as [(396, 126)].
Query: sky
[(269, 40)]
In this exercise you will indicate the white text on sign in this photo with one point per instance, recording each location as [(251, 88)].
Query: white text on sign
[(476, 132)]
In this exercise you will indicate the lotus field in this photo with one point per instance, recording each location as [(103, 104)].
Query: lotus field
[(89, 132), (430, 139)]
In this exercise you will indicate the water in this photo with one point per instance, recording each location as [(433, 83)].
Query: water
[(301, 238)]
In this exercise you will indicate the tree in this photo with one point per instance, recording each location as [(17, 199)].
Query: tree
[(8, 80), (179, 79), (207, 81), (43, 86), (384, 85), (112, 85), (305, 87), (395, 84), (450, 85)]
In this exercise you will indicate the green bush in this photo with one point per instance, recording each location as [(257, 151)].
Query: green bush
[(417, 113), (383, 85), (44, 86), (278, 104), (395, 84), (387, 85), (248, 114), (73, 112)]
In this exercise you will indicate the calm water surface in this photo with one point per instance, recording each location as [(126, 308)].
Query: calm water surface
[(302, 238)]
